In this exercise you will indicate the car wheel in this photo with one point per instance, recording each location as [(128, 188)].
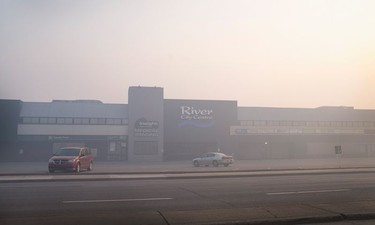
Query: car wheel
[(196, 163), (90, 166), (215, 163), (51, 170), (78, 168), (226, 164)]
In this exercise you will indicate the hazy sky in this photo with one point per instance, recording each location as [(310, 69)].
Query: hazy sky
[(276, 53)]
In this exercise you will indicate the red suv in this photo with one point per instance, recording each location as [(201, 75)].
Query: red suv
[(72, 159)]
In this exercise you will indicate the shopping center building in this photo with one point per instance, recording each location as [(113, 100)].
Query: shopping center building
[(151, 128)]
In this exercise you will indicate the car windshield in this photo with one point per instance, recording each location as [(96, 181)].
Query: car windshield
[(67, 152)]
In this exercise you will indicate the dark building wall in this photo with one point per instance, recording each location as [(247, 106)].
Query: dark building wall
[(34, 151), (9, 117)]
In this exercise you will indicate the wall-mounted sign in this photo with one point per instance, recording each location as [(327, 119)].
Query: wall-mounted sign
[(145, 128), (197, 117), (198, 120)]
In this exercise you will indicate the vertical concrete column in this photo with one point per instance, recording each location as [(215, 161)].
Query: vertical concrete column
[(146, 124)]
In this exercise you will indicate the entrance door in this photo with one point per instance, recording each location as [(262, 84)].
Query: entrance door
[(117, 151)]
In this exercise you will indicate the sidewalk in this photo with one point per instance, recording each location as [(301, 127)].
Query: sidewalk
[(293, 214), (116, 167)]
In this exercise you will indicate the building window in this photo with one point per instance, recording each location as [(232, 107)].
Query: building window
[(93, 121), (260, 123), (247, 123), (51, 120), (299, 123), (338, 123), (81, 120), (97, 121), (69, 120), (285, 123), (64, 120), (311, 124), (125, 121), (111, 121), (273, 123), (77, 121), (101, 121), (43, 120), (324, 124), (355, 124), (30, 120), (85, 120)]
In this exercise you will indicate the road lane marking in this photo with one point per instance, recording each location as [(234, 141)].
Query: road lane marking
[(136, 176), (307, 192), (116, 200)]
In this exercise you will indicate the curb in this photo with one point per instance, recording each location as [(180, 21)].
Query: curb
[(188, 171), (63, 177), (319, 219), (300, 220)]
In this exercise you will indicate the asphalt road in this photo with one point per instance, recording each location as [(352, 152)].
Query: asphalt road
[(176, 201)]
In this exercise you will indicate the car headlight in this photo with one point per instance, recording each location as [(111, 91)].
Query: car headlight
[(50, 161), (70, 160)]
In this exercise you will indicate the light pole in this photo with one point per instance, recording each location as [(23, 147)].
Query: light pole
[(266, 150)]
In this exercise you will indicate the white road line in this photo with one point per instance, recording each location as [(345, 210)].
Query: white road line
[(307, 192), (117, 200)]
